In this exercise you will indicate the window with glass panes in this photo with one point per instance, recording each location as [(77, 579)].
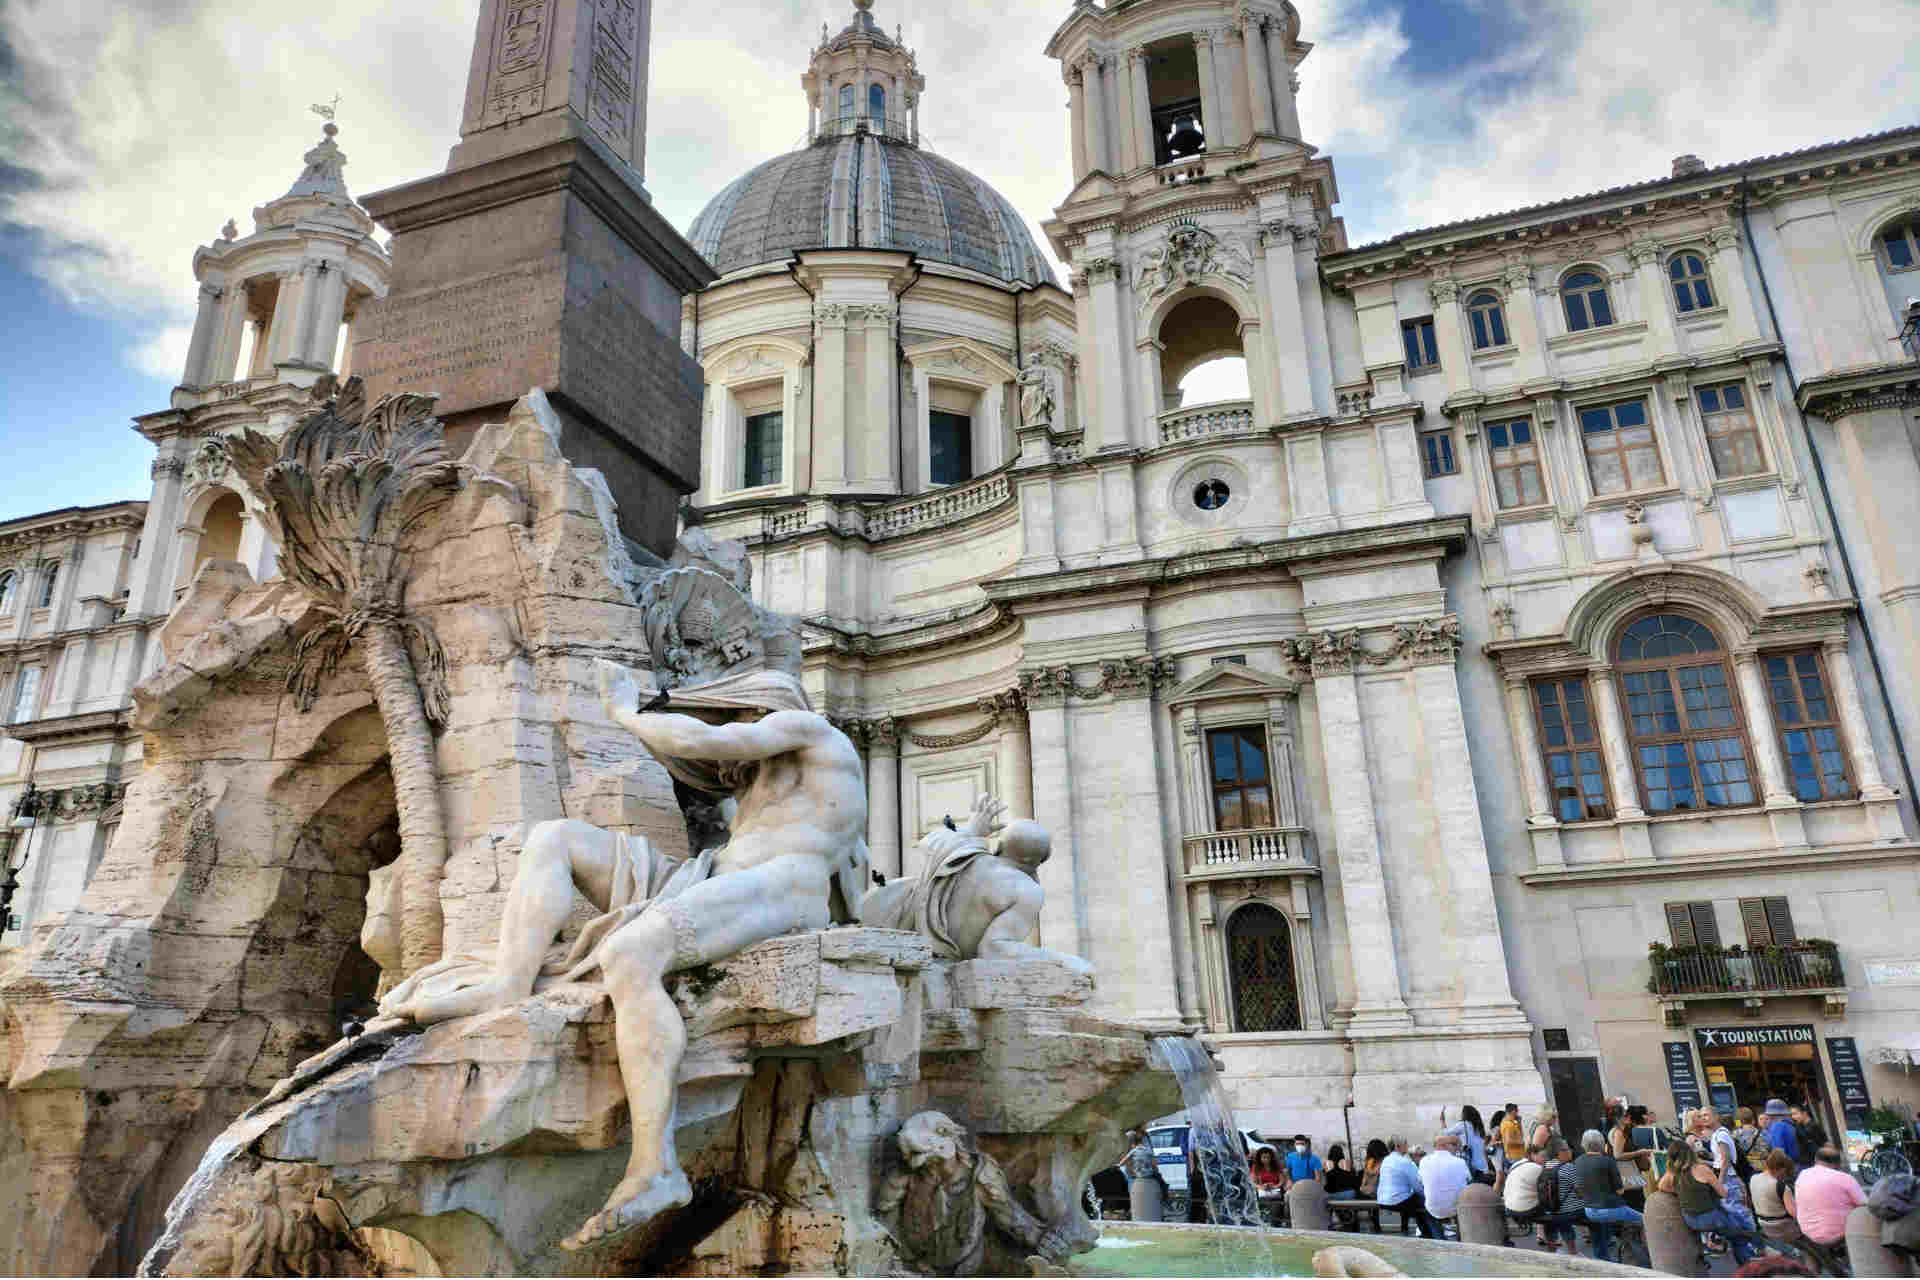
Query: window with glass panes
[(1809, 726), (1242, 793), (1621, 453), (1487, 320), (1683, 722), (1900, 246), (1436, 448), (1570, 746), (1515, 455), (1691, 289), (1733, 438), (762, 462), (1423, 351), (1585, 296), (950, 447), (1260, 958)]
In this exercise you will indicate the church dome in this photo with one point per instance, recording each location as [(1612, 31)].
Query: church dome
[(905, 197), (865, 182)]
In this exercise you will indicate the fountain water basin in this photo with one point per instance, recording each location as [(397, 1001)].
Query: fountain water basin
[(1169, 1249)]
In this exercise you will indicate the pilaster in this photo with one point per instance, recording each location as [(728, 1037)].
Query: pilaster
[(1289, 364), (1063, 921), (883, 795), (1523, 321), (830, 397), (1645, 255), (1077, 111), (206, 324), (1013, 754), (1139, 109), (1212, 118), (1259, 72), (1456, 365), (1110, 425)]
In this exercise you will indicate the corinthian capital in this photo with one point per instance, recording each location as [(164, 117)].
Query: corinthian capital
[(1444, 289), (1644, 252)]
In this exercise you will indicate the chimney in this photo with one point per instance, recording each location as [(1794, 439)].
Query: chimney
[(1685, 165)]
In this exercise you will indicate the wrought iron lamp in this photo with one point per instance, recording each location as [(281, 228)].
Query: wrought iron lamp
[(22, 825)]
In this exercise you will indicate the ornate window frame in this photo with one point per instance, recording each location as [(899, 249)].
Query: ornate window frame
[(976, 371), (748, 376)]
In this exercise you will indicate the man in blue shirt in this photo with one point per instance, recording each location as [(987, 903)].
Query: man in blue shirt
[(1780, 1131), (1400, 1188), (1302, 1164)]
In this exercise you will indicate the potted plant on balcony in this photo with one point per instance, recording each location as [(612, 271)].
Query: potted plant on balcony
[(1819, 960)]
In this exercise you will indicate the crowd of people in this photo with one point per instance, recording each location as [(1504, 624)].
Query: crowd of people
[(1765, 1181)]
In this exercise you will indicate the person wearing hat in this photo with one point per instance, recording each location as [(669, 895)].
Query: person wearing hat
[(1780, 1131)]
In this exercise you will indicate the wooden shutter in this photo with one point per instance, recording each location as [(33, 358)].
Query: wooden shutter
[(1680, 925), (1692, 924), (1706, 926), (1768, 921)]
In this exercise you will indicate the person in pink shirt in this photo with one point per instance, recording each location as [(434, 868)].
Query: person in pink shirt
[(1823, 1195)]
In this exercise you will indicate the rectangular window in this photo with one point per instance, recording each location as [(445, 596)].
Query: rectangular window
[(1436, 449), (1570, 747), (1768, 921), (1809, 726), (1692, 924), (1423, 352), (765, 438), (1733, 438), (949, 447), (26, 695), (1242, 795), (1621, 454), (1696, 770), (1515, 455)]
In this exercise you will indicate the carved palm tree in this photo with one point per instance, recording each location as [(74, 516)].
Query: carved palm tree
[(348, 494)]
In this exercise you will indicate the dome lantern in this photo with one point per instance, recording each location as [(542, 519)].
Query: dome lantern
[(863, 81)]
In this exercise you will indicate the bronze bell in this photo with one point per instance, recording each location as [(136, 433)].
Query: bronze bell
[(1187, 139)]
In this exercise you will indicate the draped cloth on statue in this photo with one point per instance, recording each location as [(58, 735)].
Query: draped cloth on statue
[(923, 905), (766, 691), (642, 877)]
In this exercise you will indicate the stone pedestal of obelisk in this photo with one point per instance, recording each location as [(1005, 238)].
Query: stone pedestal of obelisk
[(537, 260)]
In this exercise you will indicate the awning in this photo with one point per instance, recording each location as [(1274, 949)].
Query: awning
[(1902, 1052)]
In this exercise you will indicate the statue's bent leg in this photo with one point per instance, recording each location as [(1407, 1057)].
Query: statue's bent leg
[(556, 856), (710, 921)]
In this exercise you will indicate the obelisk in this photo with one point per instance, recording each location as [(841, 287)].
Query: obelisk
[(537, 260)]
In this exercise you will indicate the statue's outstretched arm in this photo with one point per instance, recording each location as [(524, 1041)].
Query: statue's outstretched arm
[(669, 733)]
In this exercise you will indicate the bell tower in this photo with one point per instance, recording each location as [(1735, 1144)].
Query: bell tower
[(1198, 212), (281, 295)]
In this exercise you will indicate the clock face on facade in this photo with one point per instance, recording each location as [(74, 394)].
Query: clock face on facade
[(1211, 495)]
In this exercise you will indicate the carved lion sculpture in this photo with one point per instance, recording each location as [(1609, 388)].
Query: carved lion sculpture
[(945, 1199), (277, 1220)]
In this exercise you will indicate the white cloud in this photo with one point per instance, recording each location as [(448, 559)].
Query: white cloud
[(163, 354)]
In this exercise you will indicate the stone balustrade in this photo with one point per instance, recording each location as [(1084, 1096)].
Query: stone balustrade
[(1251, 849), (956, 502), (1224, 417)]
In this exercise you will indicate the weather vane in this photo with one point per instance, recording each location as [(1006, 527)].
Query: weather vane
[(326, 110)]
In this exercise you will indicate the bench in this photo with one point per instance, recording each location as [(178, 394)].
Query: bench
[(1373, 1209)]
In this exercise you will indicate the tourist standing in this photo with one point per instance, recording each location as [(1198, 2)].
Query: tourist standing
[(1600, 1187), (1444, 1174), (1780, 1131), (1472, 1133), (1512, 1136), (1401, 1191), (1634, 1161), (1747, 1137), (1823, 1195), (1808, 1136)]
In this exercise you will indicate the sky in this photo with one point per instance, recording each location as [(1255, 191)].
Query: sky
[(131, 130)]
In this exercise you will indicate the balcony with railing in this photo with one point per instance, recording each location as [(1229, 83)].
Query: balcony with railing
[(1252, 852), (1223, 417), (1810, 967)]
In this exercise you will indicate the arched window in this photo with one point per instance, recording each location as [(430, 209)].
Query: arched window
[(877, 106), (1260, 960), (846, 105), (1585, 296), (1897, 253), (1683, 721), (1488, 321), (7, 580), (1691, 290), (47, 585)]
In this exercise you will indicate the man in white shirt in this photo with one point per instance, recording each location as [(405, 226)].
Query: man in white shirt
[(1444, 1174), (1521, 1194), (1400, 1188)]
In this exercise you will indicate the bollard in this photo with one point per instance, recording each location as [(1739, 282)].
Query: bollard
[(1307, 1206), (1670, 1241), (1866, 1256), (1481, 1217), (1143, 1200)]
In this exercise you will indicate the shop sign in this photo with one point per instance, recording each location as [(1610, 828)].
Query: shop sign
[(1734, 1037), (1850, 1080), (1893, 973), (1681, 1077)]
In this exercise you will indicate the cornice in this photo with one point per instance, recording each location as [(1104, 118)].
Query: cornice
[(89, 724), (1834, 396)]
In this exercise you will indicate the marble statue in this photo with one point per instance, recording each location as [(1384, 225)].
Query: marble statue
[(1036, 395), (943, 1197), (797, 843), (972, 902)]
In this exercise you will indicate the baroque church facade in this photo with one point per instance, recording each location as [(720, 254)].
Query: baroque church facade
[(1505, 700)]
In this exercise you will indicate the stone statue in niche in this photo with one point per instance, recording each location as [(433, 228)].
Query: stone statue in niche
[(953, 1214), (972, 902), (1036, 395), (796, 859)]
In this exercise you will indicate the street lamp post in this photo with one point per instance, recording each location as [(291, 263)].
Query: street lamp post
[(22, 824)]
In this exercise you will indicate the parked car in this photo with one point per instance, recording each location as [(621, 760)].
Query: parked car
[(1170, 1144)]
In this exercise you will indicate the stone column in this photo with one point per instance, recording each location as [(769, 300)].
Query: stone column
[(1077, 112), (151, 590), (1286, 106), (224, 359), (1289, 356), (1853, 723), (1540, 810), (1259, 72), (1654, 305), (1152, 388), (283, 329), (206, 325), (1110, 426), (883, 795), (878, 436), (1212, 126), (913, 106), (1099, 142), (1486, 990), (1449, 331), (1763, 731), (1363, 892), (1142, 113), (1063, 913), (1613, 741), (1523, 322), (1238, 127), (1013, 753)]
